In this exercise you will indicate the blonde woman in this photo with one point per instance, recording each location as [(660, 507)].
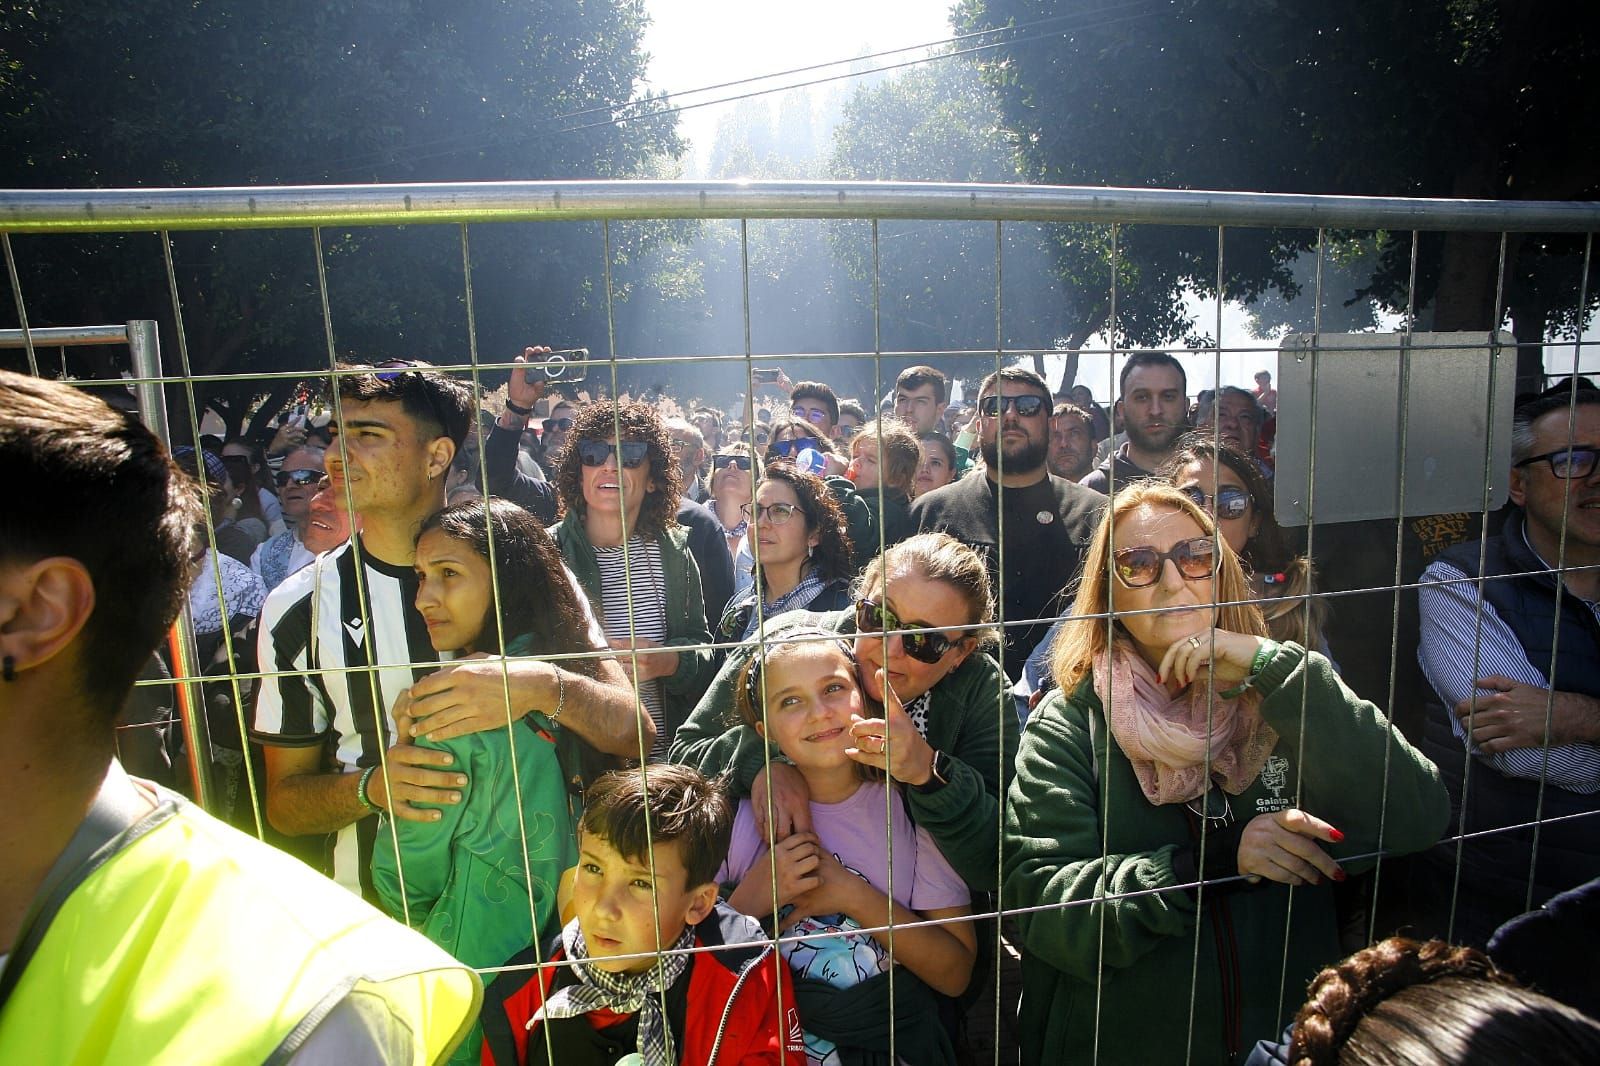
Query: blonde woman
[(1186, 775)]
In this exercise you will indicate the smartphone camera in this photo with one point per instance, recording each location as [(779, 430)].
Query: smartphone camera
[(568, 365)]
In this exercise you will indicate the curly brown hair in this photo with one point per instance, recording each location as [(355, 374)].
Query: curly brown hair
[(833, 553), (1431, 1004), (627, 420)]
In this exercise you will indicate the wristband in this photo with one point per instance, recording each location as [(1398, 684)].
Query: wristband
[(1263, 656), (518, 409), (361, 791), (937, 769)]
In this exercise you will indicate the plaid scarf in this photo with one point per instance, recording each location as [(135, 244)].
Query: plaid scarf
[(621, 993)]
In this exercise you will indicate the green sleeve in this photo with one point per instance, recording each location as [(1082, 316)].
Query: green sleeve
[(980, 737), (425, 847), (1053, 857), (1358, 773), (696, 661), (710, 744)]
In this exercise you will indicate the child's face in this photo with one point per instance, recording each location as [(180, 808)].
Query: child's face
[(811, 694), (612, 898), (453, 591), (864, 450)]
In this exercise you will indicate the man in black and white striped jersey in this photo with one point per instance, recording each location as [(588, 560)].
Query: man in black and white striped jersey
[(346, 641)]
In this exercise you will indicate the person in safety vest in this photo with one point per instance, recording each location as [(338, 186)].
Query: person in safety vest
[(133, 926)]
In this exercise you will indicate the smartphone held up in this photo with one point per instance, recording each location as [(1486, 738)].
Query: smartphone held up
[(568, 364)]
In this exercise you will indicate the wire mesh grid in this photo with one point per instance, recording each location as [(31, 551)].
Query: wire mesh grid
[(1000, 921)]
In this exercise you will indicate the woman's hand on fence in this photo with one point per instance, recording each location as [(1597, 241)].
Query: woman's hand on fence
[(1284, 847), (892, 743), (1190, 658), (790, 802)]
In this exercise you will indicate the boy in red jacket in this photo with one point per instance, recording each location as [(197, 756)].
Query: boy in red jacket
[(649, 846)]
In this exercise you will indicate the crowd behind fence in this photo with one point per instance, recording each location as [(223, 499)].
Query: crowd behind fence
[(1015, 653)]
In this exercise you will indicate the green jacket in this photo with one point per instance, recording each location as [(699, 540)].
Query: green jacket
[(686, 616), (970, 719), (1076, 819)]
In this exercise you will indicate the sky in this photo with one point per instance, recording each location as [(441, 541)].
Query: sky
[(696, 43)]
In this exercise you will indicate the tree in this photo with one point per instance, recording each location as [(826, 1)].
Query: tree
[(1455, 98), (225, 92)]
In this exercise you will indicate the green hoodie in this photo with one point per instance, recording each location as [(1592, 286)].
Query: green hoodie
[(1078, 826), (970, 718)]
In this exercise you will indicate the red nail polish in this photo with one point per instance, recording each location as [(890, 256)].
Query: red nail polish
[(1339, 875), (1337, 836)]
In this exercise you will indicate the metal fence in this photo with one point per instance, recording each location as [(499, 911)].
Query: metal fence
[(1402, 405)]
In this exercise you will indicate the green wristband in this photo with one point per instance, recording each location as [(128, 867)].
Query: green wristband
[(1264, 655), (361, 791)]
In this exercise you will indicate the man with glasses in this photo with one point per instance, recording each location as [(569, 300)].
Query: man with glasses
[(1517, 675), (1046, 520), (282, 555), (1155, 412), (339, 641), (815, 403)]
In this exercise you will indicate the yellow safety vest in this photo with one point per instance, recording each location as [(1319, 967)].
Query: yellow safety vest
[(187, 942)]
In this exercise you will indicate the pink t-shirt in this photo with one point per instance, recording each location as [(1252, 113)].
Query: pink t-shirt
[(853, 831)]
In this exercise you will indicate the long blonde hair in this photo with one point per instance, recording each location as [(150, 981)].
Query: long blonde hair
[(1083, 637)]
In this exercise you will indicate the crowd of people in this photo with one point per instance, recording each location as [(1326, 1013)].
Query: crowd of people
[(754, 735)]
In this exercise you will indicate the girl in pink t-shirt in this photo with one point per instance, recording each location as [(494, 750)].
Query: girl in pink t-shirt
[(866, 865)]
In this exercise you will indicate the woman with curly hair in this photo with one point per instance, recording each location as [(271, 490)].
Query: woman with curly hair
[(802, 547), (1403, 1002), (619, 484), (1188, 773)]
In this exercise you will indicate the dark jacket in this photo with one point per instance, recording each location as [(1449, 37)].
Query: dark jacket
[(506, 481), (857, 1020), (736, 1011), (891, 523), (1126, 471), (963, 817), (710, 550), (686, 628)]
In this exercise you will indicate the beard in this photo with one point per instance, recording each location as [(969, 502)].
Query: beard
[(1030, 456), (1145, 443)]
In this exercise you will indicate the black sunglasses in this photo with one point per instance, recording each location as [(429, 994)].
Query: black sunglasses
[(298, 477), (1567, 463), (874, 617), (399, 370), (1140, 567), (1229, 502), (558, 423), (596, 452), (793, 446), (722, 462), (1027, 406)]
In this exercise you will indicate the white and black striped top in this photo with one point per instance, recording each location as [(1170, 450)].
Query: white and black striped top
[(648, 590)]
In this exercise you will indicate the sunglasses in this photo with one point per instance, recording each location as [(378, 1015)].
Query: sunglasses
[(775, 514), (558, 423), (1141, 567), (794, 446), (814, 417), (1567, 463), (298, 477), (1026, 406), (394, 369), (1229, 502), (874, 617), (398, 370), (595, 452), (722, 462)]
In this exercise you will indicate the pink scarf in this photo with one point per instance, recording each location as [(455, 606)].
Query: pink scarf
[(1164, 736)]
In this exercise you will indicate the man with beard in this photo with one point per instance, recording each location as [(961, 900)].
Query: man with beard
[(1154, 406), (1047, 520), (1236, 417), (1071, 442)]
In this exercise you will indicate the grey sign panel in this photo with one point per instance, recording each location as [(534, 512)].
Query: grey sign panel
[(1451, 391)]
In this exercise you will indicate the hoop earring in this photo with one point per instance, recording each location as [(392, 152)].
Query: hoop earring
[(8, 669)]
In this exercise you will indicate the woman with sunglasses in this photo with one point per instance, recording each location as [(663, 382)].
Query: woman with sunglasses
[(734, 473), (920, 623), (790, 437), (619, 486), (804, 549), (1194, 770), (1229, 485)]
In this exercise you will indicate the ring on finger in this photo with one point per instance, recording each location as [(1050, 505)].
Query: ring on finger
[(1194, 642)]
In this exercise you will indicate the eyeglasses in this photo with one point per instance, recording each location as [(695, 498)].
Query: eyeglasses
[(874, 617), (1567, 463), (298, 477), (1141, 567), (683, 445), (1026, 406), (1229, 502), (596, 452), (793, 446), (722, 462), (814, 417), (558, 423), (774, 514)]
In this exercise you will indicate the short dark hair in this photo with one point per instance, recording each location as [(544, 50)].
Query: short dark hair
[(1556, 398), (638, 421), (913, 378), (1245, 394), (816, 390), (97, 486), (1268, 551), (1019, 374), (434, 400), (1067, 407), (633, 810), (1139, 359), (851, 407), (943, 443)]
